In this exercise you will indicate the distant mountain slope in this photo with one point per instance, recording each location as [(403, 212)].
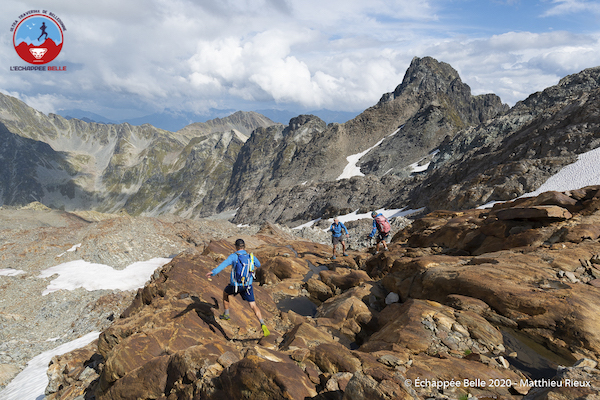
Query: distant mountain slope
[(74, 165), (177, 120), (85, 116)]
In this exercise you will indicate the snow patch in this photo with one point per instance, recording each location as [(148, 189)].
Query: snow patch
[(352, 169), (583, 172), (31, 383), (10, 272), (76, 274), (74, 248)]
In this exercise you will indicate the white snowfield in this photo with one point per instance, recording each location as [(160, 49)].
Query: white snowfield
[(31, 383), (583, 172), (76, 274)]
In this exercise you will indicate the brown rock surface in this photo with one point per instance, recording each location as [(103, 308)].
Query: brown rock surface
[(466, 280)]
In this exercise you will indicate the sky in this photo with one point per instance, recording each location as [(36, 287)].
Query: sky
[(126, 59)]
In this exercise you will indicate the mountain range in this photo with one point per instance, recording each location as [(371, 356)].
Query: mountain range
[(473, 149), (174, 120)]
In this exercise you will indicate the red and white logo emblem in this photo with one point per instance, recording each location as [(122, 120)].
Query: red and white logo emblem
[(38, 39)]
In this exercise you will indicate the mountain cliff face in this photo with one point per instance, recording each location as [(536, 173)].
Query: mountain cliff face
[(517, 152), (431, 105)]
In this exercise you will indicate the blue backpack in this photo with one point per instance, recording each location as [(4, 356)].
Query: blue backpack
[(242, 272)]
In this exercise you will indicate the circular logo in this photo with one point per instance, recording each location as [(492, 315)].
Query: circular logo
[(38, 39)]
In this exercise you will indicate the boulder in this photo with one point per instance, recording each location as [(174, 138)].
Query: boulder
[(318, 290), (343, 279), (73, 374), (333, 358), (305, 335), (579, 233), (365, 387), (280, 379)]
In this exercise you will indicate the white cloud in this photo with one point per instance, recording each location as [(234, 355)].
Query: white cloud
[(562, 7), (342, 55), (516, 64)]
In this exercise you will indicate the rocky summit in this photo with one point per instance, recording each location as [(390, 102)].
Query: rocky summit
[(483, 303)]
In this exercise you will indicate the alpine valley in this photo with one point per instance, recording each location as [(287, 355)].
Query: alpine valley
[(498, 302)]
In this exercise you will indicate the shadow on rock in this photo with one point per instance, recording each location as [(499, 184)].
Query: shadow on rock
[(204, 311)]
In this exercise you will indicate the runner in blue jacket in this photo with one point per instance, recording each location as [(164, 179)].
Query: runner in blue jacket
[(336, 236), (233, 288)]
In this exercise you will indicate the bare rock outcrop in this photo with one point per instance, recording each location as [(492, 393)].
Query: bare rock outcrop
[(485, 303)]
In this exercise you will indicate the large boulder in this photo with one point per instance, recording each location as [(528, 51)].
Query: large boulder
[(266, 378)]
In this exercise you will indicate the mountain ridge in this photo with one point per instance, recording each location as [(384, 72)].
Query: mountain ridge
[(173, 121), (289, 173)]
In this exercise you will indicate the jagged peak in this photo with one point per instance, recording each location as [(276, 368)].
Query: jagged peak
[(420, 68), (428, 77)]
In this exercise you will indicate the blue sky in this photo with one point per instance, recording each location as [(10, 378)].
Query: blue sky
[(29, 31), (128, 59)]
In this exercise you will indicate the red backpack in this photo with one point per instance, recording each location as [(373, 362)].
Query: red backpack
[(382, 224)]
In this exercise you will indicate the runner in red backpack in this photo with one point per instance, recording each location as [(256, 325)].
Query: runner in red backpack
[(381, 227)]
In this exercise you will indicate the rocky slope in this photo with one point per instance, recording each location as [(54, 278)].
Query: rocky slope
[(37, 238), (515, 153), (497, 301)]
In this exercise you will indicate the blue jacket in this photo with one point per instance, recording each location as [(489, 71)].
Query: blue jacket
[(337, 229), (231, 260), (374, 231)]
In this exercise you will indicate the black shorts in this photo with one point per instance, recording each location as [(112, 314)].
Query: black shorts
[(337, 240), (246, 292)]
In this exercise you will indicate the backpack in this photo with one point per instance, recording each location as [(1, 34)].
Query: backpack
[(242, 272), (382, 224)]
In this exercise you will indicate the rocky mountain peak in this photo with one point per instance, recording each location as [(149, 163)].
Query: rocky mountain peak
[(428, 74), (303, 127)]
